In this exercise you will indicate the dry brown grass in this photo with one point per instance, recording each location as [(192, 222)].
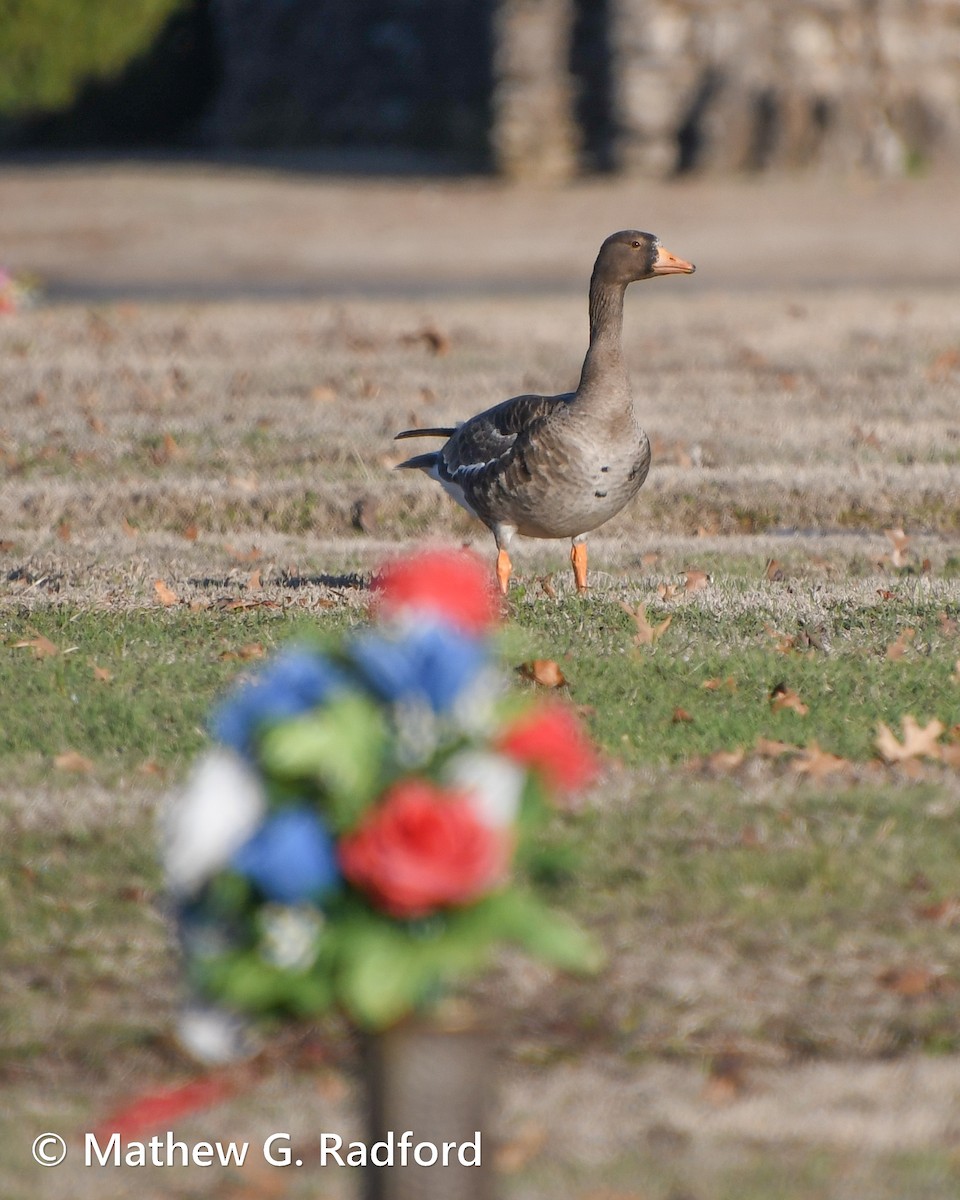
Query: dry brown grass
[(212, 430)]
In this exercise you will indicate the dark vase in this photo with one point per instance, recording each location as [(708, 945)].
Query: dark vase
[(433, 1077)]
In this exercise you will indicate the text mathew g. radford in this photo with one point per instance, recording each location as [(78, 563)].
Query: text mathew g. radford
[(277, 1150)]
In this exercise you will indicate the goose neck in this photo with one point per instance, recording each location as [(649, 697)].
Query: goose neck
[(604, 364)]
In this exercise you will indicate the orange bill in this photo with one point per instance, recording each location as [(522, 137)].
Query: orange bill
[(669, 264)]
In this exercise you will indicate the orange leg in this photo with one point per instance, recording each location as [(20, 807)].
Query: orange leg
[(578, 556), (504, 567)]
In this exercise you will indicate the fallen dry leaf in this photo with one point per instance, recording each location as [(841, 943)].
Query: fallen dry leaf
[(725, 760), (945, 912), (900, 542), (543, 671), (254, 554), (818, 763), (942, 365), (190, 532), (322, 393), (910, 981), (647, 634), (714, 685), (765, 748), (783, 643), (254, 582), (41, 646), (783, 697), (64, 531), (258, 602), (435, 340), (165, 595), (243, 653), (521, 1149), (897, 649), (166, 451), (650, 559), (726, 1078), (948, 625), (681, 715), (363, 514), (72, 760), (102, 675), (668, 591), (546, 584), (918, 741), (693, 581)]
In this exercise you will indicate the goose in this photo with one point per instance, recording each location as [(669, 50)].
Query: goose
[(559, 466)]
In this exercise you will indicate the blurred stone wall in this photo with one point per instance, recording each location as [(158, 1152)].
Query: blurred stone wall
[(544, 88), (749, 84)]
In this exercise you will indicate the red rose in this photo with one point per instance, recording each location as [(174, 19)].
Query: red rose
[(423, 848), (552, 741), (446, 583)]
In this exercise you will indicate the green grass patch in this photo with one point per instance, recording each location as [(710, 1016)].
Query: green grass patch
[(166, 669), (848, 684), (167, 666)]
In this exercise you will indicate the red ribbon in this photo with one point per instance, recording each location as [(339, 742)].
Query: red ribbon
[(159, 1108)]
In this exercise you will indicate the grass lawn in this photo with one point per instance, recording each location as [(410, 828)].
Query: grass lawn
[(758, 913), (188, 486)]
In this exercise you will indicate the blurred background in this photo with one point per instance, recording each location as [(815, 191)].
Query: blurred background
[(528, 88), (200, 147)]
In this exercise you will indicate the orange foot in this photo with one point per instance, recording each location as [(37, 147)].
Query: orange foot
[(578, 556), (504, 568)]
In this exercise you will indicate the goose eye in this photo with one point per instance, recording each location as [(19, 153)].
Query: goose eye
[(636, 245)]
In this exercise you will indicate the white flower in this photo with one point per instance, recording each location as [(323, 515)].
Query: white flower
[(218, 810), (214, 1035), (493, 784), (475, 710), (417, 732), (290, 935)]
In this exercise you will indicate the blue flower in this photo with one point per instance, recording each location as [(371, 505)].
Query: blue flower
[(433, 664), (292, 683), (291, 857)]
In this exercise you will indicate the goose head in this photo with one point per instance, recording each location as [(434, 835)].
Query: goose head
[(630, 255)]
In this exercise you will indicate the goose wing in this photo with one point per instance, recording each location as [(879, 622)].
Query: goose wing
[(487, 443)]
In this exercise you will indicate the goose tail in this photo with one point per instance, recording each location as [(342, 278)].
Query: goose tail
[(419, 462), (435, 432)]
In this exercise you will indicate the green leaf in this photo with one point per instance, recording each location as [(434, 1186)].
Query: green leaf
[(549, 935), (248, 983), (341, 747), (384, 977)]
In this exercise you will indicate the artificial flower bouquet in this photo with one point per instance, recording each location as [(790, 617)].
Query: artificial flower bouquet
[(363, 830)]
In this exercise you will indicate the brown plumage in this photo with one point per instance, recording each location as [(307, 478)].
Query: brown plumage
[(559, 466)]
